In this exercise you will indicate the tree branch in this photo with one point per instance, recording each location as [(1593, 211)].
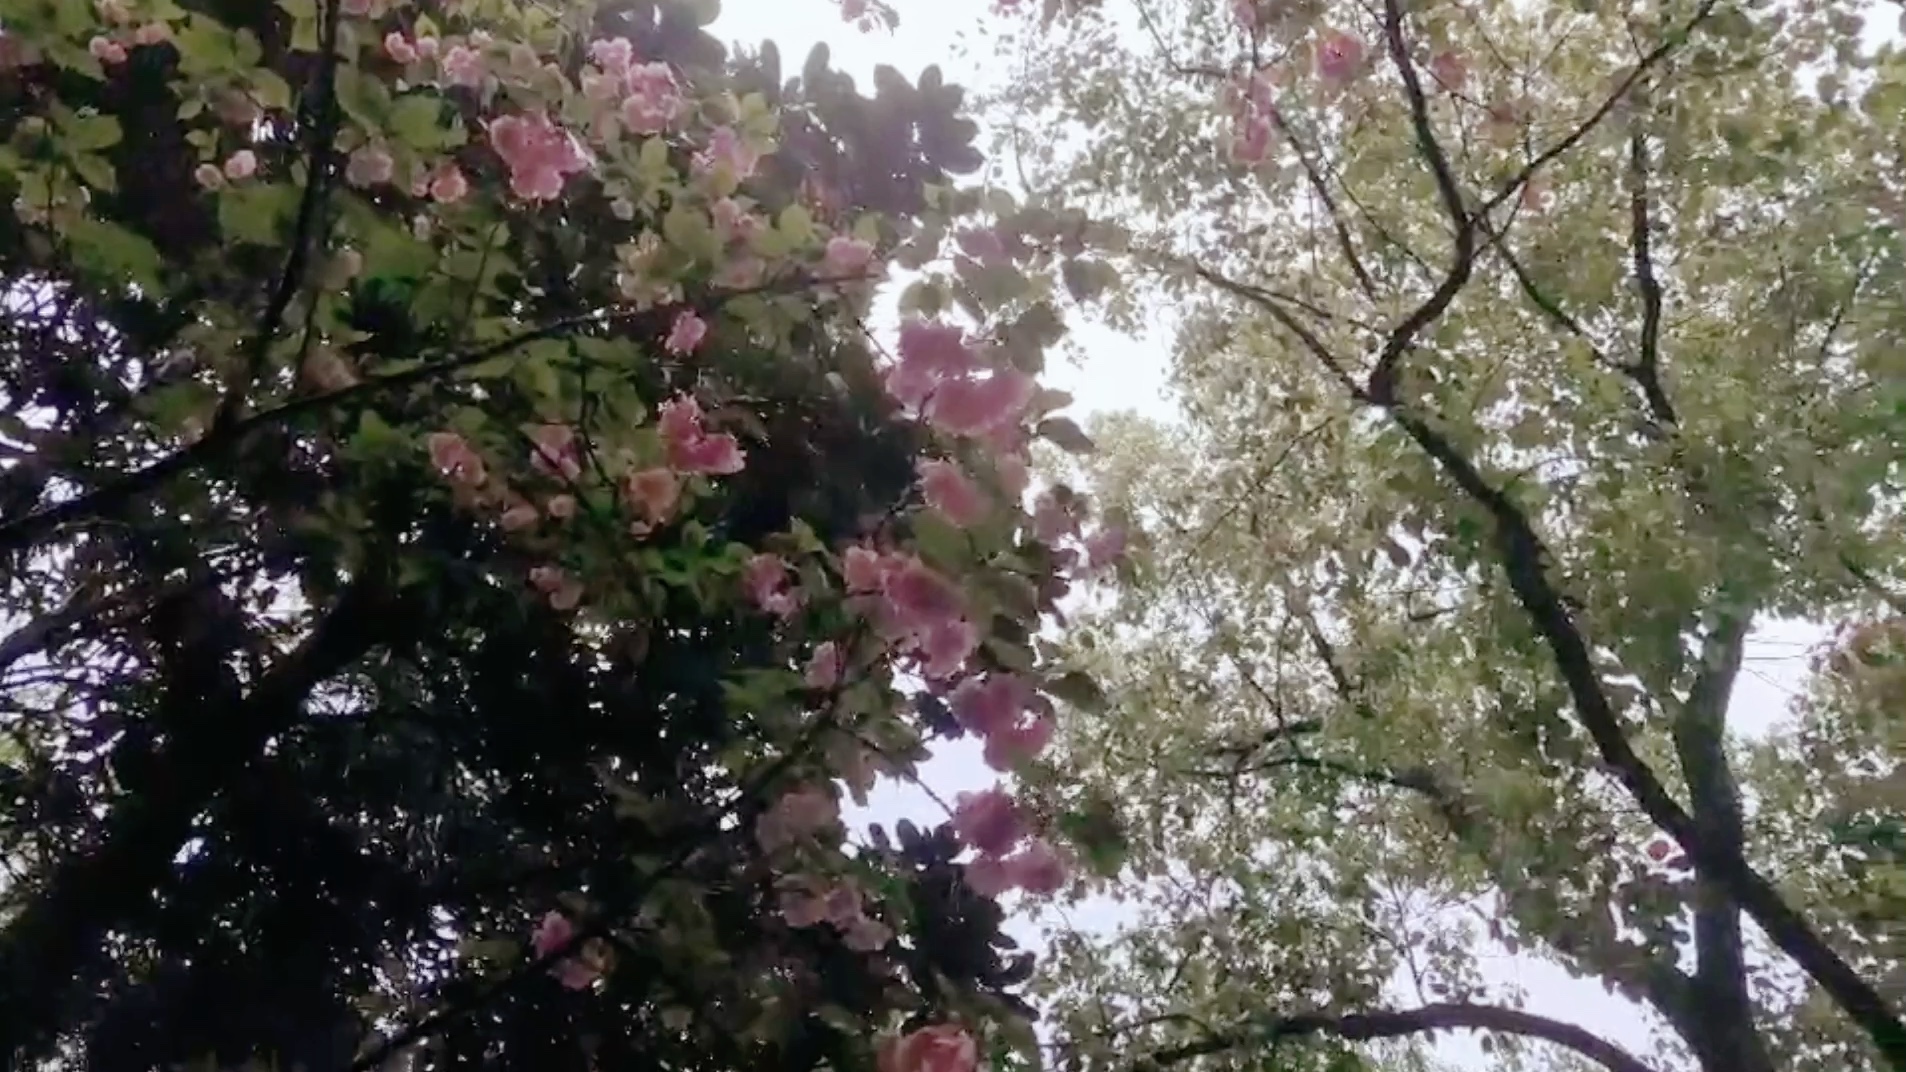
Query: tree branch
[(51, 949), (1386, 1024), (22, 532), (1646, 369), (1720, 1017), (1462, 257), (318, 164)]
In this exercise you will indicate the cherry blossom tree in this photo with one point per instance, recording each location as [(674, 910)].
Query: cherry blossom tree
[(464, 538)]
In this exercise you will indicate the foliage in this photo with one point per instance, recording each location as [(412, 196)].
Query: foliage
[(464, 538), (1529, 354)]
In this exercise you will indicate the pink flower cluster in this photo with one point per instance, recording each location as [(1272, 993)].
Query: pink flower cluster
[(914, 606), (556, 932), (951, 493), (1339, 57), (795, 817), (1254, 118), (992, 824), (690, 448), (809, 900), (1003, 710), (110, 49), (645, 96), (539, 154), (765, 577), (939, 376), (935, 1048)]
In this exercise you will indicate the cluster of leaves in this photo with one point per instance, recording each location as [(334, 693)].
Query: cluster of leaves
[(1529, 357), (452, 496)]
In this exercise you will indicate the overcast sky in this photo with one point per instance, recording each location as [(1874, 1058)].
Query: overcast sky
[(1129, 374)]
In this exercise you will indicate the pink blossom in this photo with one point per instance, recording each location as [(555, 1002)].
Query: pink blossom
[(539, 154), (654, 99), (866, 935), (864, 569), (939, 1048), (427, 47), (844, 904), (447, 183), (727, 153), (454, 459), (939, 348), (991, 703), (555, 451), (1038, 868), (1105, 547), (852, 9), (464, 66), (973, 407), (563, 591), (106, 50), (369, 165), (1339, 55), (690, 448), (241, 165), (1014, 472), (846, 256), (686, 336), (952, 493), (1052, 520), (803, 905), (152, 33), (732, 222), (988, 821), (561, 507), (1245, 11), (1449, 70), (652, 493), (824, 666), (798, 815), (399, 48), (1008, 747), (989, 876), (612, 54), (1253, 141), (765, 576), (519, 517), (920, 596), (944, 647), (554, 932)]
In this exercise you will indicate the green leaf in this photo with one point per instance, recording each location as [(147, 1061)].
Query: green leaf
[(270, 90), (256, 213), (85, 133), (939, 541), (1079, 690), (114, 252), (364, 99), (417, 121), (1066, 435)]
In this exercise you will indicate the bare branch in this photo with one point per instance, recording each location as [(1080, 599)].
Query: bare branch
[(1385, 1024)]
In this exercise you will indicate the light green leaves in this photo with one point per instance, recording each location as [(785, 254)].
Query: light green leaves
[(257, 213)]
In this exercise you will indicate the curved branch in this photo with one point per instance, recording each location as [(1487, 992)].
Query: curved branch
[(1401, 1023)]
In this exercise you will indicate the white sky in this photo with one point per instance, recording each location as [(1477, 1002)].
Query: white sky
[(1124, 373)]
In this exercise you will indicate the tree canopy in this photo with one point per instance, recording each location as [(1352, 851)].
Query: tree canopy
[(463, 538), (1529, 355)]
